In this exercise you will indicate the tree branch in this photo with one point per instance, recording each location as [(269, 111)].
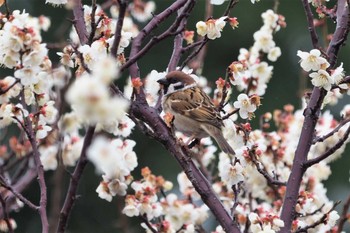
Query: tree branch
[(74, 182), (136, 51), (336, 129), (118, 35), (39, 167), (329, 152), (310, 22), (79, 23)]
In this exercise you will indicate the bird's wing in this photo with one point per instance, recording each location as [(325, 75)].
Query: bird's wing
[(195, 104)]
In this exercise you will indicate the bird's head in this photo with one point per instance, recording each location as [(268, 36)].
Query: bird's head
[(176, 81)]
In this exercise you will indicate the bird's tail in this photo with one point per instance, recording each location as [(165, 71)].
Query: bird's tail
[(219, 138)]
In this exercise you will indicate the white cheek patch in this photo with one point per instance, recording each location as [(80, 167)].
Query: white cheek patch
[(174, 87)]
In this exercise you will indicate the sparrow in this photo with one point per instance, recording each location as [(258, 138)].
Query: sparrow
[(194, 113)]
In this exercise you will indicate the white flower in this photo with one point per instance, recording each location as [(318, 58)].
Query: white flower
[(201, 28), (131, 210), (91, 101), (42, 129), (333, 216), (105, 69), (262, 71), (312, 61), (270, 18), (244, 105), (113, 158), (28, 75), (56, 2), (263, 40), (322, 79), (217, 2), (211, 28), (274, 53), (49, 157), (103, 192), (49, 112), (143, 14), (72, 146), (338, 74)]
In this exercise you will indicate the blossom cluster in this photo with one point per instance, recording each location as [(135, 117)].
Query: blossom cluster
[(212, 28), (115, 159), (321, 78), (168, 213)]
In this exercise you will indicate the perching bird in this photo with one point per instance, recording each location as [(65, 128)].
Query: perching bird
[(194, 113)]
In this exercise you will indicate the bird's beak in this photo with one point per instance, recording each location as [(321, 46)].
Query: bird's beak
[(163, 82)]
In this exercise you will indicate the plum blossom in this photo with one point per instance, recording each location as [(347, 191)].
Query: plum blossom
[(56, 2), (211, 28), (49, 157), (91, 101), (274, 54), (245, 106), (312, 61), (322, 79)]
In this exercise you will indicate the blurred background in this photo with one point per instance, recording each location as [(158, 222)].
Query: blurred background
[(92, 214)]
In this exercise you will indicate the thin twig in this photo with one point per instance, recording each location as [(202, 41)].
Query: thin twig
[(93, 22), (136, 51), (39, 167), (335, 130), (118, 30), (310, 22), (9, 87), (322, 220), (148, 224), (329, 152)]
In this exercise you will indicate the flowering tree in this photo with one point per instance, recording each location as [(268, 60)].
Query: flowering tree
[(78, 112)]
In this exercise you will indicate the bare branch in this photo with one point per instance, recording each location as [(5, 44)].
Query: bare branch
[(74, 182), (7, 186), (310, 22), (118, 35), (136, 51), (39, 167)]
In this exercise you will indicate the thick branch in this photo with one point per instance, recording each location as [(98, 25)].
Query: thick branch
[(74, 182)]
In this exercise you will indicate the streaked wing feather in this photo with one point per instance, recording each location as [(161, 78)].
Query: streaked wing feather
[(195, 105)]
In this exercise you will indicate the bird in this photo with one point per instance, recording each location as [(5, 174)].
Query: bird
[(194, 113)]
